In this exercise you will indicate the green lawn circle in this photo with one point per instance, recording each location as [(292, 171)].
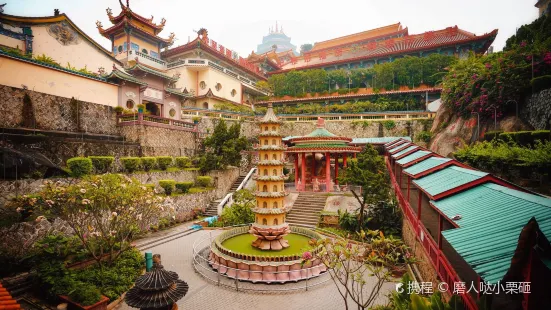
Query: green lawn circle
[(241, 244)]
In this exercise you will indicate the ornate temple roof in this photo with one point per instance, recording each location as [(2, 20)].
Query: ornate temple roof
[(407, 44), (144, 68), (360, 37), (157, 288), (270, 117), (128, 19), (117, 74), (322, 140)]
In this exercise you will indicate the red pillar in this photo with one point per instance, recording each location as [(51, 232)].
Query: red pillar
[(303, 172), (313, 173), (354, 155), (336, 168), (409, 182), (327, 172), (440, 226), (296, 171), (344, 156)]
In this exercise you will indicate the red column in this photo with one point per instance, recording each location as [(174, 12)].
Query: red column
[(336, 168), (303, 171), (344, 156), (354, 155), (313, 173), (409, 181), (440, 226), (327, 172), (296, 171)]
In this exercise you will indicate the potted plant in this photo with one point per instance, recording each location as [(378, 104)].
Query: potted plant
[(196, 119), (119, 110), (85, 296), (141, 108)]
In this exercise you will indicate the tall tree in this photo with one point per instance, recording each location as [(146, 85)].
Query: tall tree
[(369, 172), (223, 147), (305, 48)]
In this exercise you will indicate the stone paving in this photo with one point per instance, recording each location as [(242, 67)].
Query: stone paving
[(177, 256)]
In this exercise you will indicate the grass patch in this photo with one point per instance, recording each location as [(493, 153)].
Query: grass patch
[(242, 244), (195, 190)]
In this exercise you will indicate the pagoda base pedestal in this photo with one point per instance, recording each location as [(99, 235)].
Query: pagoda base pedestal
[(270, 238)]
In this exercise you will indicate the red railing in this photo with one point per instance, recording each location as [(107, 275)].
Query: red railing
[(445, 271)]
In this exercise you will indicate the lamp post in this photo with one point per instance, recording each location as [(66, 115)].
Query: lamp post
[(477, 124), (516, 106), (495, 115)]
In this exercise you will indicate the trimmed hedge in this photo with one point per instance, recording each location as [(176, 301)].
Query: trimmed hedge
[(150, 186), (102, 164), (183, 162), (79, 166), (168, 186), (541, 82), (491, 135), (149, 163), (183, 187), (525, 138), (131, 164), (164, 162), (203, 181)]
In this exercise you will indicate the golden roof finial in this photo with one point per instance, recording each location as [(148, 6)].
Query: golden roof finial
[(99, 25), (163, 22), (109, 13)]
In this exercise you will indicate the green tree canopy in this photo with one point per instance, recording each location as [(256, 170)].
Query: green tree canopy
[(223, 147)]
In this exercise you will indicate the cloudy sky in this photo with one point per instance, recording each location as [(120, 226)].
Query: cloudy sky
[(241, 24)]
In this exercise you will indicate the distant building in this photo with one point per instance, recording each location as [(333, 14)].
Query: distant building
[(278, 39), (544, 7)]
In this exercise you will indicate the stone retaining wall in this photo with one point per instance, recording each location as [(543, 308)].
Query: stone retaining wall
[(537, 111), (428, 273)]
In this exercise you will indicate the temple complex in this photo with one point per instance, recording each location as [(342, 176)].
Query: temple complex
[(380, 45), (313, 153), (269, 226)]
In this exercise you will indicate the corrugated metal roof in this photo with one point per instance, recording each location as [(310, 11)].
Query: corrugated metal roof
[(426, 164), (377, 140), (448, 178), (397, 144), (400, 147), (492, 217), (402, 152), (411, 157)]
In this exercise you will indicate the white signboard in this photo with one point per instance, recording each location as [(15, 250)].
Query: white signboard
[(153, 93)]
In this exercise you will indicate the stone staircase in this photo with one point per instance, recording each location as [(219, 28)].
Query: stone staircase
[(212, 208), (306, 209)]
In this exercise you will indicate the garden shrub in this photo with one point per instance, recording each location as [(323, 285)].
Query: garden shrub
[(79, 166), (203, 181), (491, 135), (541, 135), (183, 162), (85, 294), (424, 136), (150, 186), (102, 164), (164, 162), (168, 186), (131, 164), (183, 187), (195, 190), (149, 163), (389, 124), (118, 109)]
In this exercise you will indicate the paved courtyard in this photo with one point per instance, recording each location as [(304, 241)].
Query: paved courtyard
[(177, 255)]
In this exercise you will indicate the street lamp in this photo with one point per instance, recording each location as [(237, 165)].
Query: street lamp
[(495, 115), (477, 124), (516, 106)]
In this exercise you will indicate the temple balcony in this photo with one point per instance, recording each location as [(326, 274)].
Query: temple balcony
[(147, 60)]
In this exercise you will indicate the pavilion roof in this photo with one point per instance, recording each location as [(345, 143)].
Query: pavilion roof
[(126, 22), (377, 140), (141, 67), (120, 75), (320, 137)]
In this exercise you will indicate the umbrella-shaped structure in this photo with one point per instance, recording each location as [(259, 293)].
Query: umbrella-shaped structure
[(156, 289)]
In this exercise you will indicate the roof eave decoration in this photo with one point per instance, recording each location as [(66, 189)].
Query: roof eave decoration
[(124, 24), (143, 68), (127, 12), (118, 74)]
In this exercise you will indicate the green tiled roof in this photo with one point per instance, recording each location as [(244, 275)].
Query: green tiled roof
[(320, 132), (177, 92), (124, 76), (426, 164), (400, 147), (448, 178), (492, 217), (402, 152), (411, 157), (377, 140), (141, 67)]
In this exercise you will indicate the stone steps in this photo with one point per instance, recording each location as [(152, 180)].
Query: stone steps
[(212, 209), (306, 210)]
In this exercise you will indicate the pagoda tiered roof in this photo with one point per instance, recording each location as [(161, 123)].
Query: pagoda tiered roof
[(126, 12), (397, 44), (117, 74)]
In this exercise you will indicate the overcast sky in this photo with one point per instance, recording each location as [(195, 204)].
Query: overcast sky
[(241, 24)]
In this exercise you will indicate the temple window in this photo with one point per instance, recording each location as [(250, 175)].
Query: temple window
[(275, 222), (264, 221), (265, 171), (275, 188), (205, 105), (264, 188), (120, 48), (265, 205), (202, 84), (129, 104), (144, 51), (274, 142), (274, 172), (218, 86), (265, 142), (275, 204), (266, 128), (154, 54), (265, 156), (274, 157), (125, 46), (172, 112)]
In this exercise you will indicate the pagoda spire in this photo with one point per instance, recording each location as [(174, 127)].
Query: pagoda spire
[(276, 27)]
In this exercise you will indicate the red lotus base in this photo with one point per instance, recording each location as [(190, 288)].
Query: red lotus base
[(270, 238)]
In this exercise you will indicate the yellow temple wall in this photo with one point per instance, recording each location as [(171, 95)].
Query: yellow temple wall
[(16, 73), (270, 201), (11, 42), (142, 26), (211, 77), (270, 218), (270, 185), (79, 53), (119, 41), (270, 154)]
